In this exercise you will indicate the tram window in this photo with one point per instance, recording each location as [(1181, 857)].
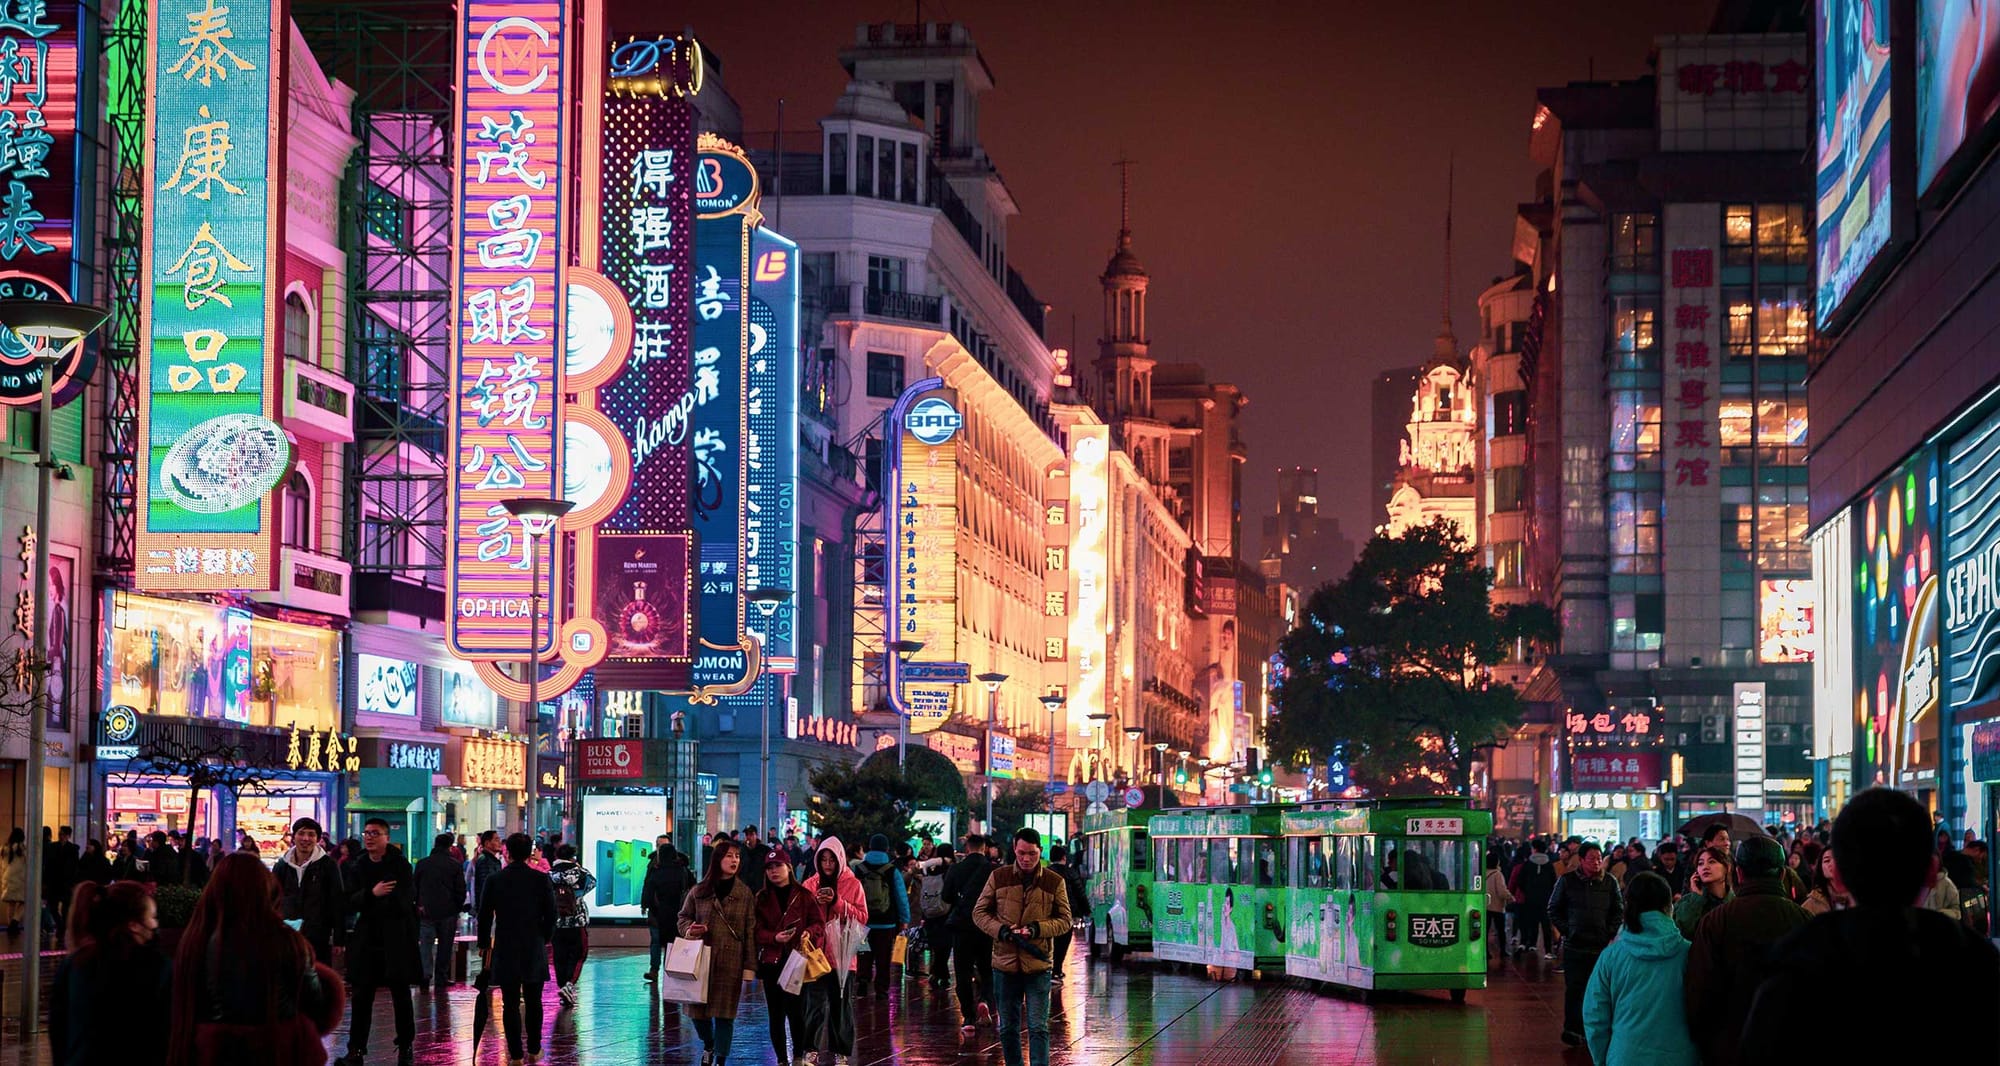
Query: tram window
[(1431, 865), (1140, 854), (1270, 865), (1193, 859), (1364, 864), (1222, 862), (1168, 869), (1311, 873), (1343, 868), (1392, 875)]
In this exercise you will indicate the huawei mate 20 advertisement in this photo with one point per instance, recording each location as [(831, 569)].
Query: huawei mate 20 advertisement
[(618, 836)]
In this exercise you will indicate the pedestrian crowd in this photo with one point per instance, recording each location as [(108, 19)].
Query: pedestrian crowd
[(1727, 947)]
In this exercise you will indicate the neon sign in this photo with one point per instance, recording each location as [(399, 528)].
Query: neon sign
[(38, 186), (771, 453), (926, 533), (1089, 556), (208, 357), (509, 259)]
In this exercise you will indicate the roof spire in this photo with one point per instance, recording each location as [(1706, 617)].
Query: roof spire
[(1124, 166), (1447, 342)]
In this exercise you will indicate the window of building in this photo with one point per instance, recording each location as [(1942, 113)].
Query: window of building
[(864, 165), (1635, 242), (908, 189), (297, 517), (1637, 630), (1781, 531), (384, 543), (387, 216), (1739, 235), (943, 97), (1509, 564), (1510, 413), (1739, 612), (1738, 431), (1635, 430), (1510, 488), (871, 464), (384, 358), (1739, 326), (836, 164), (1635, 532), (885, 173), (298, 328), (1635, 339), (887, 273), (1783, 319), (1781, 430), (1782, 236), (885, 375)]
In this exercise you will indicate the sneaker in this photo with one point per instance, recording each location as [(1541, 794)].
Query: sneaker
[(840, 1060), (568, 995)]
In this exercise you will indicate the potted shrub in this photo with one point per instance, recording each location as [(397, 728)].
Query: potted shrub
[(175, 907)]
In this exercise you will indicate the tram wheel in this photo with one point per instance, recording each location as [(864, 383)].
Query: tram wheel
[(1458, 995)]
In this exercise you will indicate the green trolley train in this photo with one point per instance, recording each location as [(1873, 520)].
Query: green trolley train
[(1387, 894), (1120, 882), (1219, 886)]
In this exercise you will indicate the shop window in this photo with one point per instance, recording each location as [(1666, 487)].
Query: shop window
[(206, 661)]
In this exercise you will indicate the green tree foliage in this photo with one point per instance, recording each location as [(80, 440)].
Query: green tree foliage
[(1392, 662), (854, 802), (1012, 802), (937, 783)]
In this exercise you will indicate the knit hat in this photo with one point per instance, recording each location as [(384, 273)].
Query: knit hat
[(878, 842)]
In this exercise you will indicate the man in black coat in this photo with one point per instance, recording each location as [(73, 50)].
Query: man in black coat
[(1887, 952), (971, 950), (382, 949), (485, 865), (163, 863), (1587, 907), (58, 875), (1726, 961), (310, 890), (667, 882), (754, 854), (517, 916), (440, 883)]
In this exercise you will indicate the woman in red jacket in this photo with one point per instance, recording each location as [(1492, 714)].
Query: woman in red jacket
[(830, 1004), (785, 911)]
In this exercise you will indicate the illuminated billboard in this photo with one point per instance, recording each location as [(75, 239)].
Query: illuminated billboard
[(1971, 570), (1854, 210), (770, 450), (208, 358), (1785, 609), (1090, 562), (1958, 80), (1896, 668), (38, 185), (926, 551), (509, 253), (644, 548)]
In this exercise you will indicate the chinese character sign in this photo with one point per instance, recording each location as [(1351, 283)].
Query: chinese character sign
[(208, 359), (1089, 561), (926, 543), (38, 187), (770, 451), (1615, 771), (509, 252)]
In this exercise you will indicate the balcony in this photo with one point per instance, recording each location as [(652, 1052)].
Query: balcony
[(310, 581), (319, 404), (907, 306)]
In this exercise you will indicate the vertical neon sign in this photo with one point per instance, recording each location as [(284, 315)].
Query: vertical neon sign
[(38, 184), (509, 292), (771, 453), (208, 358), (1089, 558)]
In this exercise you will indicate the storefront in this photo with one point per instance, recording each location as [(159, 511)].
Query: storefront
[(626, 792), (1615, 773), (216, 719), (489, 783), (1614, 817)]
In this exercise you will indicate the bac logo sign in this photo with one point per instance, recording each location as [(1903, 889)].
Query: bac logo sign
[(933, 421)]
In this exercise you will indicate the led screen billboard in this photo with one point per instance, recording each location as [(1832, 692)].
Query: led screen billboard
[(1896, 669), (1854, 214), (1958, 80), (38, 185)]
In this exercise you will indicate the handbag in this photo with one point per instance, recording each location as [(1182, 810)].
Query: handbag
[(899, 953), (685, 957), (691, 985), (816, 964)]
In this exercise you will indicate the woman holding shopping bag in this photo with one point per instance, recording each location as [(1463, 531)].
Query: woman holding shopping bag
[(829, 1002), (721, 913), (786, 912)]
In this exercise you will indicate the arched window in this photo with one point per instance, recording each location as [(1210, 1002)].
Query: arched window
[(298, 328), (298, 513)]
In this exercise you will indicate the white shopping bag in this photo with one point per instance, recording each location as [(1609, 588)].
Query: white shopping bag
[(690, 986)]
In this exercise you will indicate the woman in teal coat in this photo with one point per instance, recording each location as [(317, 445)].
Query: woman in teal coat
[(1632, 1013)]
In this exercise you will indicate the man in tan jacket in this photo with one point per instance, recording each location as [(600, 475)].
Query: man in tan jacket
[(1024, 907)]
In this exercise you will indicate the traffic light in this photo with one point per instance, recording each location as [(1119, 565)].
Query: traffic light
[(1180, 776), (1264, 777)]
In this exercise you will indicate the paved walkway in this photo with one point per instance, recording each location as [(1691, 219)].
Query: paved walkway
[(1124, 1015)]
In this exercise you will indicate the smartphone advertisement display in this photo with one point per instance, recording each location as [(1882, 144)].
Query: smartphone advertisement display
[(618, 835)]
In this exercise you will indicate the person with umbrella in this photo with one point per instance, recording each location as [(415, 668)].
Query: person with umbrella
[(517, 918)]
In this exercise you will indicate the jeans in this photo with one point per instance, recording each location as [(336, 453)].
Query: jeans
[(715, 1034), (875, 965), (362, 997), (785, 1010), (974, 963), (658, 947), (830, 1014), (938, 934), (517, 999), (1577, 966), (569, 947), (435, 939), (1011, 989)]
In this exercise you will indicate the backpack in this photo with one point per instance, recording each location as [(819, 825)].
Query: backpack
[(931, 897), (876, 890), (566, 901)]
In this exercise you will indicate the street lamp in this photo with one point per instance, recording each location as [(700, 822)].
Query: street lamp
[(54, 330), (992, 679), (903, 649), (1054, 702), (767, 601), (1160, 749), (538, 517)]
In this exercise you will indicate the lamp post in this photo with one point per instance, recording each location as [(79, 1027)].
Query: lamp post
[(1160, 750), (992, 679), (1204, 762), (1135, 734), (903, 649), (1054, 702), (767, 601), (538, 517), (55, 331)]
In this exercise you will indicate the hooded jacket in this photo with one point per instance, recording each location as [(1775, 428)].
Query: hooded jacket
[(877, 863), (311, 893), (1534, 880), (567, 873), (850, 907), (1632, 1011)]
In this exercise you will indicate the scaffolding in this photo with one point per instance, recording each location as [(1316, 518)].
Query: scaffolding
[(396, 227), (117, 503)]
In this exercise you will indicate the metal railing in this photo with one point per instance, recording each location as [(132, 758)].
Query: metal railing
[(908, 306)]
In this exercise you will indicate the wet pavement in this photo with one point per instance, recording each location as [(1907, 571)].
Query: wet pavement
[(1130, 1014)]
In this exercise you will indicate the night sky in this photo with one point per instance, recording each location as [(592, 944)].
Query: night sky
[(1289, 186)]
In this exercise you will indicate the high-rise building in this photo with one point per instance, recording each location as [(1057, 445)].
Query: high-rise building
[(1302, 547), (1669, 249)]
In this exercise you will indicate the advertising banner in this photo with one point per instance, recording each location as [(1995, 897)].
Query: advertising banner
[(926, 546), (509, 258), (618, 839), (1855, 205), (771, 449), (1896, 669), (599, 760), (1958, 81), (1615, 771), (38, 177), (1971, 613), (209, 454)]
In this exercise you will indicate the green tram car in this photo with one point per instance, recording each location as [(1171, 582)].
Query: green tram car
[(1387, 894), (1120, 883), (1219, 886)]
